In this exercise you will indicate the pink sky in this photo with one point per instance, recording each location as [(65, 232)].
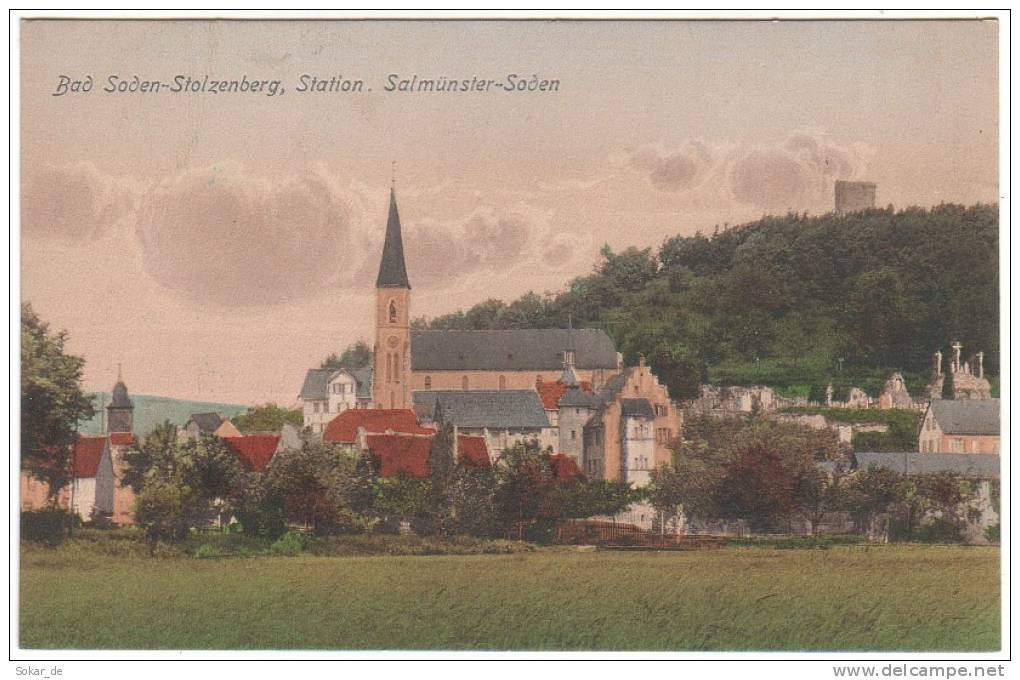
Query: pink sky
[(219, 245)]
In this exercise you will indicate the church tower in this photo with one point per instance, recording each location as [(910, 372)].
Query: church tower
[(391, 378), (120, 412)]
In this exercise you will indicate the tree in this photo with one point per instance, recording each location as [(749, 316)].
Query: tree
[(151, 457), (442, 478), (356, 356), (267, 418), (817, 493), (52, 402), (166, 510), (313, 486)]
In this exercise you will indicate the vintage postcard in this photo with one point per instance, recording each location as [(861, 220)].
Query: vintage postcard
[(504, 335)]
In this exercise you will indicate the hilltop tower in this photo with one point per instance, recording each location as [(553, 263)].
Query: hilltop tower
[(391, 380), (120, 411)]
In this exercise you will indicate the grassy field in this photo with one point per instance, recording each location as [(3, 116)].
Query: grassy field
[(847, 598)]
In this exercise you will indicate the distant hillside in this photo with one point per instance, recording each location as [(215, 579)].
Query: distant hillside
[(150, 411), (790, 301)]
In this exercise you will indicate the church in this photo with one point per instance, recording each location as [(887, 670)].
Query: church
[(410, 360), (615, 422)]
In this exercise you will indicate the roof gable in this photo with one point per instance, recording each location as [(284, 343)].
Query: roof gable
[(255, 450), (207, 422), (510, 350), (88, 452)]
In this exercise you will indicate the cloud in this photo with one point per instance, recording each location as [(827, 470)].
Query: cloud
[(796, 174), (218, 235), (672, 170), (440, 253), (74, 203)]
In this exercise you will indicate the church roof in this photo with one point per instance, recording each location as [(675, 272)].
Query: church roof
[(392, 271), (967, 417), (497, 409), (510, 350), (344, 427)]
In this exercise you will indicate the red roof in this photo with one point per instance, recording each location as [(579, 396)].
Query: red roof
[(472, 451), (88, 451), (122, 438), (552, 392), (255, 450), (564, 468), (399, 453), (344, 428)]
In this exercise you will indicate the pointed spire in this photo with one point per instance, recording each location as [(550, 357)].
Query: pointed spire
[(392, 270), (569, 375)]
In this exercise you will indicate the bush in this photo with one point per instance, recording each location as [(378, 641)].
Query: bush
[(993, 533), (206, 551), (288, 545), (47, 526), (940, 531)]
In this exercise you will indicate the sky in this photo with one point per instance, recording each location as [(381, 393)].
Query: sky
[(216, 245)]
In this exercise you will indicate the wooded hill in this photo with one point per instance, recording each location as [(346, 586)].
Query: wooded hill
[(791, 301)]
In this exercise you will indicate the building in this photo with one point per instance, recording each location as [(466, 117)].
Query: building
[(391, 376), (351, 427), (630, 432), (410, 455), (329, 391), (969, 427), (212, 424), (854, 196), (502, 417), (97, 463), (509, 359), (983, 470), (406, 361)]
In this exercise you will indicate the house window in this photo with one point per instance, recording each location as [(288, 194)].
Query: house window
[(428, 382), (464, 382), (393, 311), (573, 435), (538, 379), (502, 381), (315, 407)]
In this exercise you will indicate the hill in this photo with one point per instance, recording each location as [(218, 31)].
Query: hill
[(791, 301), (150, 411)]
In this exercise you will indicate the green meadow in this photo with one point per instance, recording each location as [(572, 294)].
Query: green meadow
[(902, 598)]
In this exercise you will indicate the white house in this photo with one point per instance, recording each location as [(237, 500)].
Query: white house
[(329, 391)]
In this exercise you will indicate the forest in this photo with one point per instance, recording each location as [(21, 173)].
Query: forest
[(792, 301)]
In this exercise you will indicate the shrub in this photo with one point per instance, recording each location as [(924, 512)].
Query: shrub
[(993, 533), (206, 551), (941, 530), (288, 545), (47, 526)]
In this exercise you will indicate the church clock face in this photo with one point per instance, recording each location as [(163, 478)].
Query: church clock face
[(392, 341)]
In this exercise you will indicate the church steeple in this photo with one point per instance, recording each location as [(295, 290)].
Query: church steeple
[(392, 271), (120, 411), (391, 378)]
